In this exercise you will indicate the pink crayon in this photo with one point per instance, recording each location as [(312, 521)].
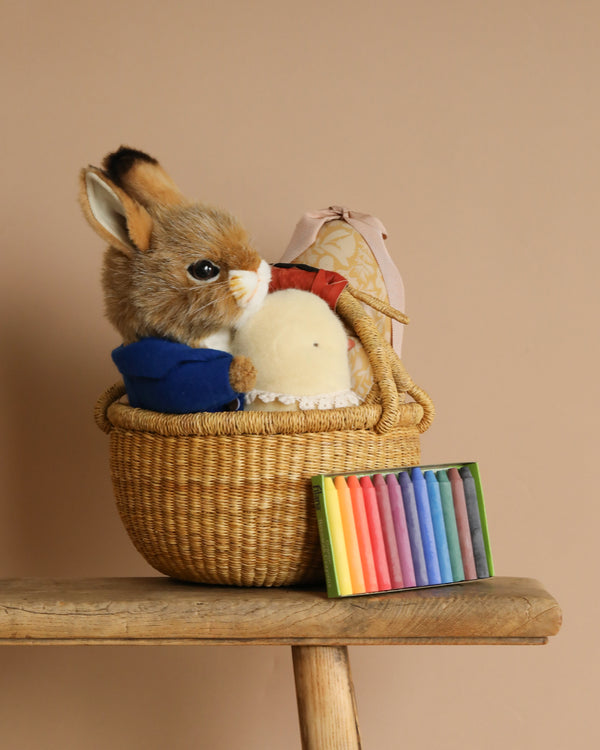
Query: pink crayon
[(389, 533), (401, 528), (372, 511), (462, 523)]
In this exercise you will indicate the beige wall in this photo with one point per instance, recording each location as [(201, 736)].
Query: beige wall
[(471, 130)]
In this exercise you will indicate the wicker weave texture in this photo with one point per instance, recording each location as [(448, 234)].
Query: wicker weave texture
[(238, 510)]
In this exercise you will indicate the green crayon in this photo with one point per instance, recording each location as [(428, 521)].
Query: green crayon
[(456, 563)]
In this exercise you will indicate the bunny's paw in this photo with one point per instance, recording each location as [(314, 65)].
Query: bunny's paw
[(242, 374)]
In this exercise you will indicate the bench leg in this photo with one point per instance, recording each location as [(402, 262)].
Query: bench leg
[(325, 694)]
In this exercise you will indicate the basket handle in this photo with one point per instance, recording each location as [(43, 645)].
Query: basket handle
[(406, 384), (379, 305), (107, 399), (352, 311), (389, 373)]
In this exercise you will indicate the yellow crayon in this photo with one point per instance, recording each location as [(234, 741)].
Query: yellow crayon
[(350, 537), (336, 535)]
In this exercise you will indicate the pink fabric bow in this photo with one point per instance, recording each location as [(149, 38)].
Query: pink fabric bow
[(373, 233)]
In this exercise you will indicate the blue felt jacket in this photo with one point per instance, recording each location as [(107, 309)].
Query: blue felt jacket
[(173, 378)]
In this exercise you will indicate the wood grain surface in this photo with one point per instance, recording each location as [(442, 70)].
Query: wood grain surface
[(325, 694), (159, 610)]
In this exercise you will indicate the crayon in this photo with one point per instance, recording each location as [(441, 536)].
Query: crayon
[(426, 524), (336, 533), (414, 531), (401, 529), (462, 524), (458, 571), (481, 564), (372, 510), (362, 534), (389, 534), (352, 551), (439, 527)]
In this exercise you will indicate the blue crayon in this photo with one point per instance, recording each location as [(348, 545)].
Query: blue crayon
[(414, 530), (402, 538), (439, 527), (426, 524)]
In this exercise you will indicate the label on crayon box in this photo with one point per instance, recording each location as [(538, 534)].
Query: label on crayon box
[(337, 557), (330, 578)]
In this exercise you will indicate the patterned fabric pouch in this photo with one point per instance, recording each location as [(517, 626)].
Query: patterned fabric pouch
[(352, 244)]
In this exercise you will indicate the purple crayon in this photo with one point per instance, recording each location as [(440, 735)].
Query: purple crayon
[(481, 563), (402, 538), (414, 531)]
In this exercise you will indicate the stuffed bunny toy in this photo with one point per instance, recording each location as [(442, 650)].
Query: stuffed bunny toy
[(178, 278)]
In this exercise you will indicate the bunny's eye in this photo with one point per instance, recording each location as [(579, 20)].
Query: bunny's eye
[(203, 270)]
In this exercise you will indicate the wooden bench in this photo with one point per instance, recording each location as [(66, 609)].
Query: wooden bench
[(160, 611)]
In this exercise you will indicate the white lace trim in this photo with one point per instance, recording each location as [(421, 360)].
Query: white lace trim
[(333, 400)]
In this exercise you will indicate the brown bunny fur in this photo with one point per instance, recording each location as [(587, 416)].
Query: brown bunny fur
[(142, 177), (155, 237), (148, 289), (151, 294)]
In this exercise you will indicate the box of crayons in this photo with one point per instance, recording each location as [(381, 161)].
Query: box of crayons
[(402, 528)]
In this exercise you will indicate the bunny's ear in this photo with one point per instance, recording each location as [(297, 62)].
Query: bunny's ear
[(114, 215), (142, 177)]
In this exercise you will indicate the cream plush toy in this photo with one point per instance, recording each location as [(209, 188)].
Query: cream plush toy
[(299, 348)]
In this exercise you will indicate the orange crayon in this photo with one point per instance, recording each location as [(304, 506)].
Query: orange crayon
[(350, 536), (362, 534)]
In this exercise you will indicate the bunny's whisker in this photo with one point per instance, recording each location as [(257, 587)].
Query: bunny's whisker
[(212, 302)]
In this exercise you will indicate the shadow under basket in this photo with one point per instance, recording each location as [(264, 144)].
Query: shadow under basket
[(225, 498)]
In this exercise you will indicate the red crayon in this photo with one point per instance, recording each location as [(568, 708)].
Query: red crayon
[(372, 510), (362, 533), (389, 533), (462, 523)]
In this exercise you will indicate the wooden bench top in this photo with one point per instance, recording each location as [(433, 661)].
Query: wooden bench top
[(162, 611)]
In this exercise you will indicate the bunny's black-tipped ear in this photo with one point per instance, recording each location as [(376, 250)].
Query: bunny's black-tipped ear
[(142, 177), (112, 213)]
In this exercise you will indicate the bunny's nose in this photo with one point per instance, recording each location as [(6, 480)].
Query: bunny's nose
[(243, 285)]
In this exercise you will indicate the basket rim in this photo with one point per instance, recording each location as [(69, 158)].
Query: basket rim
[(111, 413)]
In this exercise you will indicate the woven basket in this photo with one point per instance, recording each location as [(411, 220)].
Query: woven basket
[(225, 498)]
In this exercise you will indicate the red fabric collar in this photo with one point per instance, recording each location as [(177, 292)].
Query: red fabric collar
[(326, 284)]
